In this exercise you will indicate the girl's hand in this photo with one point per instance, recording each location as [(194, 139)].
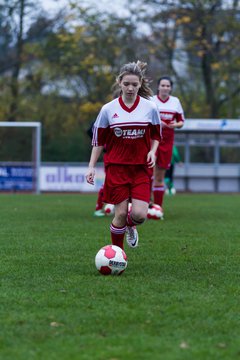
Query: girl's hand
[(170, 125), (90, 174), (151, 158), (164, 125)]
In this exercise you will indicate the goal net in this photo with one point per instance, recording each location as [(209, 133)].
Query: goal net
[(20, 156)]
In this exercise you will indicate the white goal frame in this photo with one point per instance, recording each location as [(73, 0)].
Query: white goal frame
[(36, 147)]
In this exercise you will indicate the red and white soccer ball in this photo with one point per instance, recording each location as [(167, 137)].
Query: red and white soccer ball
[(155, 212), (109, 209), (111, 260)]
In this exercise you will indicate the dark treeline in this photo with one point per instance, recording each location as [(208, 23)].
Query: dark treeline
[(59, 69)]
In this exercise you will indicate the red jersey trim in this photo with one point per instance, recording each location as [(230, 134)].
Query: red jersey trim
[(163, 101), (132, 107), (136, 123)]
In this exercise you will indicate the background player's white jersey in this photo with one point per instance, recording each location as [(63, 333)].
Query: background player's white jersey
[(127, 132), (170, 111)]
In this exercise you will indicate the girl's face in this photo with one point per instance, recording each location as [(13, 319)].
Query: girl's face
[(164, 88), (130, 84)]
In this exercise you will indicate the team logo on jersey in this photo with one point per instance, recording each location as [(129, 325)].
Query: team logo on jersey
[(118, 132), (129, 133), (166, 116), (115, 116)]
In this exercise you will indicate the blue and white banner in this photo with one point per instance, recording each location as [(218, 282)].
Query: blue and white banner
[(15, 178)]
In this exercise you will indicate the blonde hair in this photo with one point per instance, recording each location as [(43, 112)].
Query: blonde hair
[(135, 68)]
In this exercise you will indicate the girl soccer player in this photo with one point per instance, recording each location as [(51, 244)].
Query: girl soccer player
[(172, 117), (130, 127)]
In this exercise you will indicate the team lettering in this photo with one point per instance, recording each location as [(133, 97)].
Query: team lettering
[(166, 116), (129, 133), (133, 132), (119, 264)]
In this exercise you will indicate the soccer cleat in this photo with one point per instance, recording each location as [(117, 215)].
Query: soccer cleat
[(99, 213), (132, 236)]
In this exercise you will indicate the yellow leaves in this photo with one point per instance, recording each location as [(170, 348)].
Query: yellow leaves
[(117, 51), (63, 37), (184, 20), (70, 123), (216, 66), (200, 53), (89, 60), (198, 31), (78, 114), (90, 40), (225, 77), (90, 107), (71, 38)]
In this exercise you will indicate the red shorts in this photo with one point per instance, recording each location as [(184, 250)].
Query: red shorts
[(164, 155), (127, 181)]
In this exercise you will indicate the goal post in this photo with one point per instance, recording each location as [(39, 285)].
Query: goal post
[(17, 176)]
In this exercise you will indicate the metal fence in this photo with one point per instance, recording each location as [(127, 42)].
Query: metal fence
[(210, 151)]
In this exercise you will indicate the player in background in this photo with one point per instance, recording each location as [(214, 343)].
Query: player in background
[(172, 117), (99, 207), (130, 127), (169, 176)]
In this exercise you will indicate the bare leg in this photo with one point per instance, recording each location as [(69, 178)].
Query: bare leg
[(137, 216), (139, 212), (121, 211)]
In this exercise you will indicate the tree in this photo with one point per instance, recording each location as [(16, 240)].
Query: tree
[(15, 11), (206, 34), (79, 63)]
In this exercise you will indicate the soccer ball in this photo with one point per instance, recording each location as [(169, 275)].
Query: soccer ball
[(109, 209), (155, 212), (111, 260)]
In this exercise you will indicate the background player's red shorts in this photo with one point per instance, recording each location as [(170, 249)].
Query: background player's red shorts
[(127, 181), (164, 154)]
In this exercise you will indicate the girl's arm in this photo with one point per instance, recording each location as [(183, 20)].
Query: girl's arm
[(96, 152), (151, 157)]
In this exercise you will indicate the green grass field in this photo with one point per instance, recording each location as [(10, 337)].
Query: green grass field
[(179, 297)]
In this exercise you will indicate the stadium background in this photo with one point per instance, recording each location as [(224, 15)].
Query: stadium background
[(179, 296)]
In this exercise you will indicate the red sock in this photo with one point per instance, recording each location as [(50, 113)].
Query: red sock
[(158, 193), (117, 235), (129, 220), (151, 184), (100, 203)]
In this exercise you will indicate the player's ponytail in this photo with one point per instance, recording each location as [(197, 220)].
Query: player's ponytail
[(145, 90)]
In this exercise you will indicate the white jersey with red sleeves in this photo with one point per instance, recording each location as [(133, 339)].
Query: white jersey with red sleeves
[(127, 132), (170, 111)]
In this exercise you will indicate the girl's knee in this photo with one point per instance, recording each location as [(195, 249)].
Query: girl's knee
[(139, 216)]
